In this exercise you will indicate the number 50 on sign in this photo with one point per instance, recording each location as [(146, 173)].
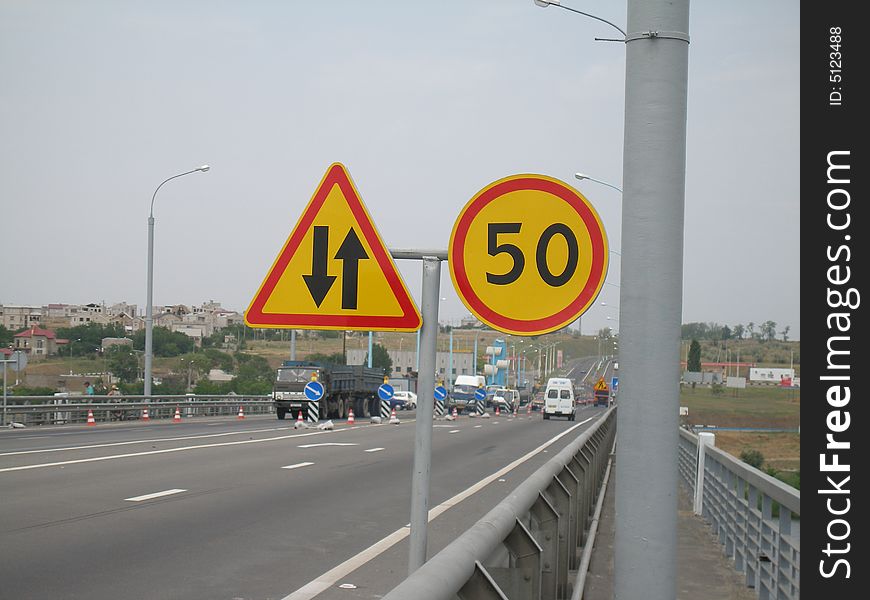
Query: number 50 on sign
[(528, 254)]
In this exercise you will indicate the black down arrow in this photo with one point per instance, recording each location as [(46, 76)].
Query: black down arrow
[(319, 283)]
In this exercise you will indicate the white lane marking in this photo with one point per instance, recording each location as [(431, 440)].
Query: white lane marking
[(154, 495), (331, 577), (375, 449), (478, 426), (454, 431), (164, 451), (327, 444), (298, 465), (144, 441)]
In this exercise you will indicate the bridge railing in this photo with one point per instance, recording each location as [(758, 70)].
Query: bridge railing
[(56, 410), (533, 542), (755, 517)]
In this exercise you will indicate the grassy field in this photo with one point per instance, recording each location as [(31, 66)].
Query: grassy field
[(754, 406)]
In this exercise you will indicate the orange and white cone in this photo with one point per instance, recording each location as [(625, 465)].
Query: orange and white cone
[(91, 421), (529, 408), (455, 413), (350, 417), (299, 419), (145, 416), (177, 417), (241, 412), (497, 412), (393, 418)]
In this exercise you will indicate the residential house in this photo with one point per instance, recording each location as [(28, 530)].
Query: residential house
[(36, 342)]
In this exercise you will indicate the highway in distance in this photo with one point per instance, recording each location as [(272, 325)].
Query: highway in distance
[(222, 508)]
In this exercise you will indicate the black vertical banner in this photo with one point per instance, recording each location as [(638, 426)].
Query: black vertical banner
[(834, 416)]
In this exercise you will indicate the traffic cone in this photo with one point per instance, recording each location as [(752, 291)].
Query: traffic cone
[(529, 409), (91, 421), (497, 412), (241, 412), (393, 418), (299, 419), (350, 417), (455, 413), (177, 417), (145, 416)]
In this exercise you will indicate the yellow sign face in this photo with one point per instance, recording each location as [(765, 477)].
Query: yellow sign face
[(600, 385), (334, 271), (528, 255)]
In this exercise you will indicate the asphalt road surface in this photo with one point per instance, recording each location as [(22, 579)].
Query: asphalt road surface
[(245, 509)]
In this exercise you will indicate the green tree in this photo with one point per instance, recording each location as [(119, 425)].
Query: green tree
[(85, 339), (123, 363), (753, 458), (694, 361), (768, 330), (165, 342), (784, 333), (336, 358), (381, 358), (6, 336)]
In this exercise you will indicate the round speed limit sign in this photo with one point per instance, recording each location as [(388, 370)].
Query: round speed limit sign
[(528, 254)]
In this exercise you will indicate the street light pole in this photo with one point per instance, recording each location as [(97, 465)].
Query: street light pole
[(149, 309)]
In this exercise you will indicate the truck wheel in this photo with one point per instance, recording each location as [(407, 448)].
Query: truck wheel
[(281, 412)]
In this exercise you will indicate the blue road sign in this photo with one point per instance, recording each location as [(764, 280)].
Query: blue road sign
[(440, 392), (480, 394), (614, 382), (313, 390), (385, 392)]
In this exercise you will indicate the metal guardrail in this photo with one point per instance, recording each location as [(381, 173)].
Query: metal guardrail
[(529, 545), (741, 504), (56, 410)]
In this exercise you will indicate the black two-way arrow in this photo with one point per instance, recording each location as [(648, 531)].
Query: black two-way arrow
[(350, 253), (319, 283)]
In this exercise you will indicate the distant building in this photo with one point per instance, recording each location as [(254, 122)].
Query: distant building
[(36, 342)]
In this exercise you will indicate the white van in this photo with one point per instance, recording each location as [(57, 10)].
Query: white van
[(559, 398)]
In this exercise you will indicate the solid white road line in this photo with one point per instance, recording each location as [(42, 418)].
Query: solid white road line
[(375, 449), (331, 577), (327, 444), (154, 495), (454, 431), (298, 465)]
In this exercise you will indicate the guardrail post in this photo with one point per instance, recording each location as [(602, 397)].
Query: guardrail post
[(480, 586), (704, 439), (560, 497), (544, 526), (519, 575), (584, 462), (572, 485)]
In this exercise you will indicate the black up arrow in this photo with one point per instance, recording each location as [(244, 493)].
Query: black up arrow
[(350, 253), (319, 283)]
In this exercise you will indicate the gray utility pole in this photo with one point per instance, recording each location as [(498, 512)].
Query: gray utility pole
[(654, 170)]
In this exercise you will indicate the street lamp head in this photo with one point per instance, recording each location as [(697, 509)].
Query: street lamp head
[(581, 176), (204, 168), (546, 3)]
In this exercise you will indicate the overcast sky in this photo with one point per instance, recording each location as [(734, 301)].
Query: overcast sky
[(425, 103)]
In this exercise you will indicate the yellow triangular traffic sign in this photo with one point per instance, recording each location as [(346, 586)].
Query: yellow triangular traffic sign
[(334, 271)]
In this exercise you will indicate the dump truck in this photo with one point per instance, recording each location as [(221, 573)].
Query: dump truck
[(345, 388)]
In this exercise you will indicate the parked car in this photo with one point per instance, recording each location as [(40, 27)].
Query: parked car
[(506, 399), (408, 399)]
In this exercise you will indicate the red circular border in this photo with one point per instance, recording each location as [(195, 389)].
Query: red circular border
[(575, 307)]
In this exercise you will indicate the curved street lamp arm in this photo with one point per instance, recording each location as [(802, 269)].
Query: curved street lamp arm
[(151, 212), (624, 35)]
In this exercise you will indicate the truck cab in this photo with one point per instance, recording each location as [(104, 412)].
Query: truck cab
[(464, 388)]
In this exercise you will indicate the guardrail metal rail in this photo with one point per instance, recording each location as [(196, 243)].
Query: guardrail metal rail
[(755, 517), (56, 410), (534, 544)]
